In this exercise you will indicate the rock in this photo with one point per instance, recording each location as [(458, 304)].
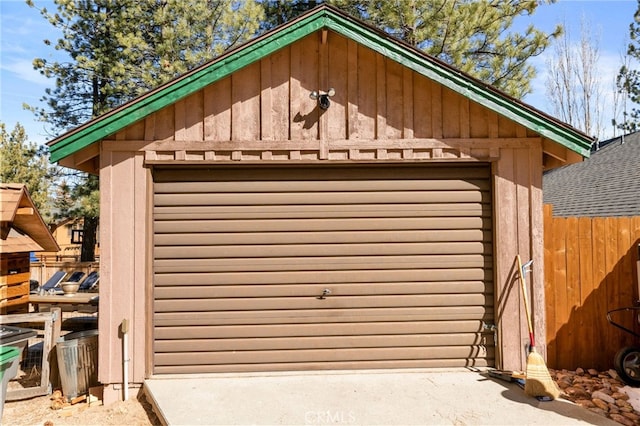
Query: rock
[(601, 393), (563, 385), (599, 411), (622, 403), (603, 396), (589, 384), (626, 410), (600, 404), (577, 393), (620, 395), (631, 415), (586, 403), (621, 419)]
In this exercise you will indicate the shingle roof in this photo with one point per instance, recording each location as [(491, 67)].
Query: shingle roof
[(606, 184)]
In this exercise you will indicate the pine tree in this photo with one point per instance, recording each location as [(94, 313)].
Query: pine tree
[(278, 12), (24, 162), (123, 48), (120, 49), (472, 35), (628, 80)]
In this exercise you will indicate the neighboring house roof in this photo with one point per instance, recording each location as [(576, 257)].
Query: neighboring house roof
[(606, 184), (65, 221), (322, 17), (21, 226)]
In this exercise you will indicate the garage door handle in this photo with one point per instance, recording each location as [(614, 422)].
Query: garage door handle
[(324, 294)]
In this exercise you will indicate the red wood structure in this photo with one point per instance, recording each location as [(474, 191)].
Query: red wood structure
[(22, 231)]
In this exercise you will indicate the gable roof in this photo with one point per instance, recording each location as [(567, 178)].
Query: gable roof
[(606, 184), (321, 17), (21, 226)]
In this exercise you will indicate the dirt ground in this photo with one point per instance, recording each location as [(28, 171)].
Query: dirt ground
[(38, 411)]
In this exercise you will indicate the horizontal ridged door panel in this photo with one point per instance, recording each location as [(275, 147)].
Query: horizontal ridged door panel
[(242, 257)]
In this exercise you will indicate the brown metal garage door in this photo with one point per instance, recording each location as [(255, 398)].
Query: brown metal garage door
[(265, 269)]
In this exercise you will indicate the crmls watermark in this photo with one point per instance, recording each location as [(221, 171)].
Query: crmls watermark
[(329, 417)]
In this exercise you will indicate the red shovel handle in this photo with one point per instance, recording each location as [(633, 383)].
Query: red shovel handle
[(523, 286)]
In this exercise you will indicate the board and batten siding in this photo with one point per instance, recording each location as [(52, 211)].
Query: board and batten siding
[(375, 99), (263, 269), (381, 113)]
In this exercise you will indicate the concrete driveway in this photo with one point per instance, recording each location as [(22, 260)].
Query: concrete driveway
[(386, 397)]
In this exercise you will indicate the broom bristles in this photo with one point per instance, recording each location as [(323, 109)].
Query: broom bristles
[(539, 381)]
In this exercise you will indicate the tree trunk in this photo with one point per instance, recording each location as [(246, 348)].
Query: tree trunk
[(88, 251)]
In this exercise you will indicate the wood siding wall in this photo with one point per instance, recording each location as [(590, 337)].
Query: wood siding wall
[(381, 113), (376, 98), (590, 269), (518, 230), (124, 268)]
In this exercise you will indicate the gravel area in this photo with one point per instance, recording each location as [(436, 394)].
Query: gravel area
[(601, 392)]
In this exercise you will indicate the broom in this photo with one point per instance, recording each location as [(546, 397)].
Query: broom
[(538, 380)]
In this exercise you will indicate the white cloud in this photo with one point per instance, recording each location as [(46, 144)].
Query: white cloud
[(22, 69), (19, 26), (13, 49)]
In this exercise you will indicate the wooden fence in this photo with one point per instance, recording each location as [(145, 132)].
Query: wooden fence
[(590, 269)]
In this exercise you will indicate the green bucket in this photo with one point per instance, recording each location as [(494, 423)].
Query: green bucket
[(8, 369), (7, 355)]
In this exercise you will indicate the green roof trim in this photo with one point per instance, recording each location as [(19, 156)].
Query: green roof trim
[(321, 17), (180, 88), (464, 85)]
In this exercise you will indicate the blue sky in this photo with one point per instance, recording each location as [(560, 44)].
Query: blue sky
[(23, 29)]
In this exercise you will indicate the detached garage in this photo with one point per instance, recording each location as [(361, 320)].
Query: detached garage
[(323, 197)]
